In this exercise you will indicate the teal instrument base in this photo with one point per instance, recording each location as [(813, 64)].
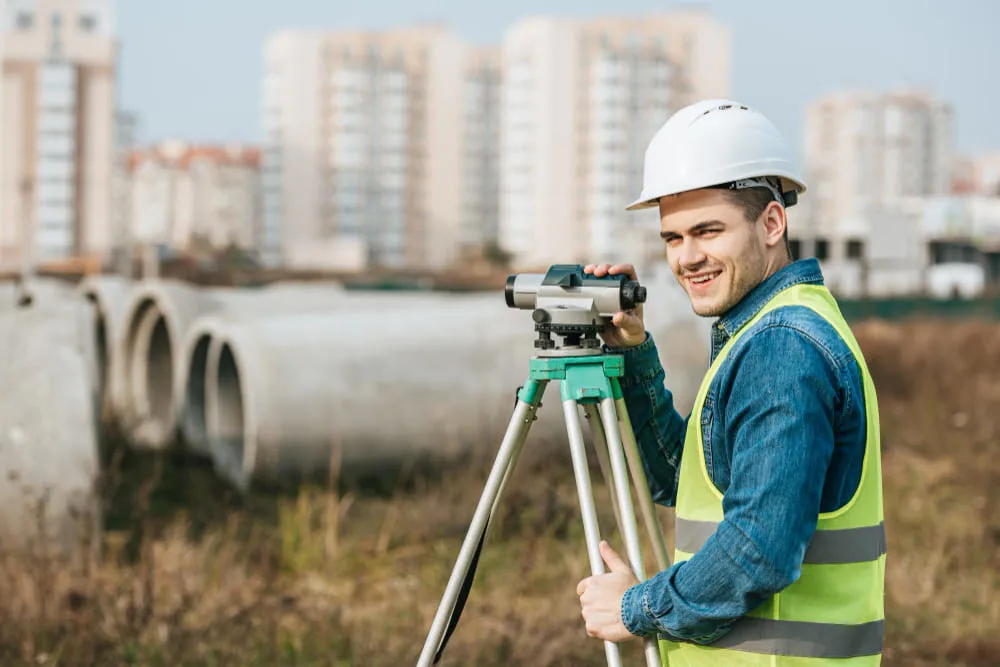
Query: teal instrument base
[(589, 379)]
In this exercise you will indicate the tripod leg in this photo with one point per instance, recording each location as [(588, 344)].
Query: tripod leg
[(601, 449), (642, 488), (591, 530), (630, 529), (510, 448)]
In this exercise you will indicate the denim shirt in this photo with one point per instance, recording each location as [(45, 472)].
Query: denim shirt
[(784, 438)]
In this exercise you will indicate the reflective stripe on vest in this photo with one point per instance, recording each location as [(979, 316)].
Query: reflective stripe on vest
[(847, 545), (804, 639), (834, 613)]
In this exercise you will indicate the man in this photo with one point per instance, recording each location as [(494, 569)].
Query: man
[(776, 473)]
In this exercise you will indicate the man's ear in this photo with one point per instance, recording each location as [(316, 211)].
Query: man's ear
[(775, 224)]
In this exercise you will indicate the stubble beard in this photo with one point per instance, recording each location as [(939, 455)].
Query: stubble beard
[(750, 275)]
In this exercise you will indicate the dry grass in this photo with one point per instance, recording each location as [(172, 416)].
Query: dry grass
[(939, 387), (193, 575)]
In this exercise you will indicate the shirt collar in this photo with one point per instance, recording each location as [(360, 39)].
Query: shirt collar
[(798, 272)]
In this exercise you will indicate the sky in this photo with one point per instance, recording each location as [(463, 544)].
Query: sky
[(191, 69)]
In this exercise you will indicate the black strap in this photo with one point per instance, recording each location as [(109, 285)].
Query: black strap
[(463, 594), (470, 574)]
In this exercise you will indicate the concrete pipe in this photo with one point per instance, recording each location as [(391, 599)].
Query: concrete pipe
[(157, 318), (287, 394), (303, 289), (48, 429), (200, 336), (42, 290), (110, 296), (274, 301)]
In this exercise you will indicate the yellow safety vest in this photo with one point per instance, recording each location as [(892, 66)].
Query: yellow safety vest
[(834, 614)]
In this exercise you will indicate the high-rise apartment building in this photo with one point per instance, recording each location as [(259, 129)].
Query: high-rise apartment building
[(126, 130), (481, 146), (57, 110), (866, 149), (375, 140), (581, 100)]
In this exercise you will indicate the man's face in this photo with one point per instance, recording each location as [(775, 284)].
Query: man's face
[(715, 253)]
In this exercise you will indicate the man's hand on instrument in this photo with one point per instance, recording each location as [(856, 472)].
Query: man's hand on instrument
[(627, 328)]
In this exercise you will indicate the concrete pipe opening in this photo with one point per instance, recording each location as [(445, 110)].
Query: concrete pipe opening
[(101, 347), (153, 377), (160, 373), (132, 368), (159, 327), (231, 428), (194, 426)]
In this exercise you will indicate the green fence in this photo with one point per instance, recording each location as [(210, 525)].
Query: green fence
[(923, 308)]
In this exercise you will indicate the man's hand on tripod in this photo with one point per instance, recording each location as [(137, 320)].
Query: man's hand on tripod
[(627, 328), (601, 598)]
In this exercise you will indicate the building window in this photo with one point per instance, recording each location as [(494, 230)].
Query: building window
[(795, 248), (88, 22), (942, 252), (822, 249), (25, 20), (855, 249)]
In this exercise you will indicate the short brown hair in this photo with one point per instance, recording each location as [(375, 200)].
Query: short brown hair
[(753, 201)]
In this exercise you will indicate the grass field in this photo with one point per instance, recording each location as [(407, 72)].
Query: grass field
[(350, 574)]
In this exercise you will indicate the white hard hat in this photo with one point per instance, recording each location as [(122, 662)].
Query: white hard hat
[(716, 143)]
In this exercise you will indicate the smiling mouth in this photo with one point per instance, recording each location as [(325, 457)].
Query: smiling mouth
[(703, 279)]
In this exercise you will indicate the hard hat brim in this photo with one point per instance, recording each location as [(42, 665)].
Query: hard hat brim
[(640, 204), (797, 185)]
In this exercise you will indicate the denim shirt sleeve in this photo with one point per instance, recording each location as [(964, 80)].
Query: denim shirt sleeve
[(782, 438), (658, 427)]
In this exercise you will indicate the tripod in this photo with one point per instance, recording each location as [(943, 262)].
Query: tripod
[(590, 380)]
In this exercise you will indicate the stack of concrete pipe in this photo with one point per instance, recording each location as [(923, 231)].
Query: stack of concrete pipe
[(277, 382), (270, 383), (164, 333), (284, 394), (274, 382)]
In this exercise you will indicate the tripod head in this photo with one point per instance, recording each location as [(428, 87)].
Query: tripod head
[(573, 305)]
